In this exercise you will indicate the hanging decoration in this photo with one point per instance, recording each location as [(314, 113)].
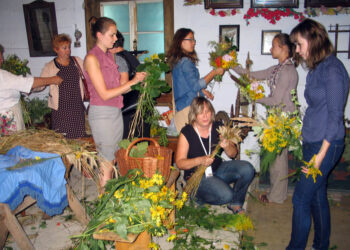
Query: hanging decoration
[(223, 13), (313, 12), (273, 16)]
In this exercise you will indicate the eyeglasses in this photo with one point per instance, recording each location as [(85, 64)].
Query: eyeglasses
[(190, 39)]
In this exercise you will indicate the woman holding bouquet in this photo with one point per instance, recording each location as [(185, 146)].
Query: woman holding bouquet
[(187, 84), (323, 132), (283, 78), (196, 142)]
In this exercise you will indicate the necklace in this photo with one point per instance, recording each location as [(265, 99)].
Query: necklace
[(201, 141)]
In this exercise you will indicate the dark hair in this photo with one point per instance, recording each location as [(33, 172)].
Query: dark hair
[(197, 107), (120, 41), (1, 49), (175, 52), (319, 45), (283, 39), (60, 38), (100, 25)]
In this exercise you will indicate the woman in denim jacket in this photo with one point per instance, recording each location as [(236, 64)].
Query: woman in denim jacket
[(326, 92), (187, 83)]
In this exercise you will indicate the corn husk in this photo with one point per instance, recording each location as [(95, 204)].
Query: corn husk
[(79, 153), (232, 134)]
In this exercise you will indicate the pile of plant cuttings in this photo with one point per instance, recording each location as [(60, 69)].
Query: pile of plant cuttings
[(190, 220), (131, 204), (79, 153)]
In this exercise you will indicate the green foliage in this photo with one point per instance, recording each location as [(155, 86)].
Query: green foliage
[(36, 109), (130, 205), (139, 150), (191, 218), (16, 66), (150, 89)]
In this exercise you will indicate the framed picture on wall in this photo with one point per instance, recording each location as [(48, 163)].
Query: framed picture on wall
[(41, 26), (230, 32), (274, 3), (223, 4), (266, 40), (326, 3)]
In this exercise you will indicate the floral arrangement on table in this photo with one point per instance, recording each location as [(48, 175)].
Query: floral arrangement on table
[(130, 205), (150, 89), (224, 55), (273, 16)]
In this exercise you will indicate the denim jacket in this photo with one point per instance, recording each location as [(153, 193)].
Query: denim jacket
[(186, 83)]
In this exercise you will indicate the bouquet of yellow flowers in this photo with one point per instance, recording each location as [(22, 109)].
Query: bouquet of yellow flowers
[(224, 56), (130, 205), (251, 89), (280, 130)]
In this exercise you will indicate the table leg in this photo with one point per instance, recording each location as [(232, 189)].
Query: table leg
[(76, 207), (16, 230)]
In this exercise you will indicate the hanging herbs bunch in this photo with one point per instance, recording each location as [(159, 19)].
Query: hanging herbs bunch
[(150, 89)]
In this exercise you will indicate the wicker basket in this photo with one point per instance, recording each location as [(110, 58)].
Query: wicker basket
[(157, 158)]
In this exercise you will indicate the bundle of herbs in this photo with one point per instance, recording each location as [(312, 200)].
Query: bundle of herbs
[(151, 88)]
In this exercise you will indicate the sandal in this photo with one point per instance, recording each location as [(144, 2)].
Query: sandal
[(263, 198), (236, 211)]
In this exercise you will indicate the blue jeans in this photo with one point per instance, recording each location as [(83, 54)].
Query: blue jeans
[(311, 199), (216, 190)]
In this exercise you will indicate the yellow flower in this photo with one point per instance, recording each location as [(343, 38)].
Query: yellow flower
[(118, 194), (312, 170), (100, 196), (226, 247), (37, 158), (153, 245), (78, 155), (171, 237), (154, 56), (111, 220), (157, 179)]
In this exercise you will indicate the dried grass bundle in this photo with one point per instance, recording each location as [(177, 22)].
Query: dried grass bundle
[(78, 153), (232, 134)]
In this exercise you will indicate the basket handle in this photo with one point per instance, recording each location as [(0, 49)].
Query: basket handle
[(153, 141)]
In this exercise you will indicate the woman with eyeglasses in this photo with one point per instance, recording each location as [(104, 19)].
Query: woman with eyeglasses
[(187, 83)]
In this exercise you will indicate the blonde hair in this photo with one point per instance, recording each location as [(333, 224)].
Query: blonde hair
[(197, 107), (59, 39)]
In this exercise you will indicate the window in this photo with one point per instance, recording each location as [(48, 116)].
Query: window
[(140, 22)]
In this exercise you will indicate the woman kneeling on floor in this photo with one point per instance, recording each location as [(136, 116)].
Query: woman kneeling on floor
[(195, 144)]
